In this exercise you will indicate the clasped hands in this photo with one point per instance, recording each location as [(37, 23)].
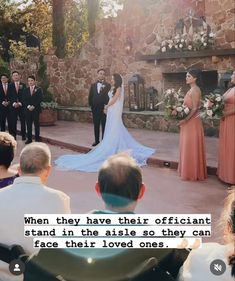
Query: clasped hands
[(17, 104), (5, 103), (105, 109), (30, 107)]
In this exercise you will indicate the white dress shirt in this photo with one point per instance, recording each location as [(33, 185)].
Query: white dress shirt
[(27, 195)]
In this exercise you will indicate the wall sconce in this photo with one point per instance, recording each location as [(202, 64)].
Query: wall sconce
[(128, 45)]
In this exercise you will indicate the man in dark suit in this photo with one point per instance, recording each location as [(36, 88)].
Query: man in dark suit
[(16, 89), (98, 98), (32, 99), (5, 104)]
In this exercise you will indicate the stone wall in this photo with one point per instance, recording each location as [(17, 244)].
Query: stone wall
[(145, 23)]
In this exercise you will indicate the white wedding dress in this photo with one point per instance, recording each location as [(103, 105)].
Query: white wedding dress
[(116, 139)]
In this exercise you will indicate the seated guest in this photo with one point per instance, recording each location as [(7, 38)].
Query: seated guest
[(28, 195), (120, 185), (7, 153), (197, 265)]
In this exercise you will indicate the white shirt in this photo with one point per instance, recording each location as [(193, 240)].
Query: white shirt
[(27, 195), (99, 86), (197, 265)]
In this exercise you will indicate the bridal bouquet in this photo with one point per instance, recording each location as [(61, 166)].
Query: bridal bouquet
[(213, 106), (174, 104)]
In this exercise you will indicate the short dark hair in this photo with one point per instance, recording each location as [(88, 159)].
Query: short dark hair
[(32, 77), (4, 74), (100, 69), (120, 180), (15, 71), (7, 149)]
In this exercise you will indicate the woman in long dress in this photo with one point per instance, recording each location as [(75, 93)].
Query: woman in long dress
[(226, 161), (116, 138), (192, 162)]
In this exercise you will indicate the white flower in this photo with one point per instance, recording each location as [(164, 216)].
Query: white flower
[(168, 91), (163, 43), (177, 36), (211, 35), (186, 110), (202, 32), (202, 39), (179, 108), (218, 99), (190, 47), (176, 46), (182, 40), (209, 112), (204, 44), (163, 49), (181, 46), (170, 46)]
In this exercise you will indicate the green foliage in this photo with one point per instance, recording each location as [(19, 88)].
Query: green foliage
[(43, 80), (4, 67)]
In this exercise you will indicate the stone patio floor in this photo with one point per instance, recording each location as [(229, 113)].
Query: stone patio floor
[(166, 192)]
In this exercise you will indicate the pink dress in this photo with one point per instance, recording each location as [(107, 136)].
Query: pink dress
[(226, 161), (192, 162)]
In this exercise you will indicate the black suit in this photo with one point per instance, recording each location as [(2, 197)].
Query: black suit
[(32, 116), (16, 97), (5, 110), (97, 101)]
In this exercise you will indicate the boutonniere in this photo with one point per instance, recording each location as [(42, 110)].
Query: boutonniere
[(21, 87)]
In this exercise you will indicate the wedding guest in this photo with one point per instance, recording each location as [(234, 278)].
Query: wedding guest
[(192, 162), (98, 98), (226, 159), (16, 89), (28, 195), (7, 152), (32, 100), (5, 104), (197, 265)]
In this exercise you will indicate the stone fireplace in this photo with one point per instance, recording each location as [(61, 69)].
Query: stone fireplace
[(176, 80)]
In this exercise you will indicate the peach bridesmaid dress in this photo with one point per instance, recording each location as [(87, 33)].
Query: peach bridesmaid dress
[(192, 162), (226, 161)]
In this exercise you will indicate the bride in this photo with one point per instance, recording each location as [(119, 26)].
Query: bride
[(116, 137)]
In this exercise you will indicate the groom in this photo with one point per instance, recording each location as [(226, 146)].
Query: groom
[(98, 98)]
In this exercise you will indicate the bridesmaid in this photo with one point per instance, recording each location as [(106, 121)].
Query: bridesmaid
[(226, 161), (192, 162)]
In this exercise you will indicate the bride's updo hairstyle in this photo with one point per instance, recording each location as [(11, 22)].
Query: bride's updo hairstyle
[(117, 82)]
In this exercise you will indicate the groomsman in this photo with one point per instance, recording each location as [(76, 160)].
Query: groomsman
[(16, 89), (5, 104), (32, 99), (98, 98)]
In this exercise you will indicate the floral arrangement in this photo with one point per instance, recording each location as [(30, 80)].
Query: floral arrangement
[(213, 106), (198, 41), (51, 104), (174, 104)]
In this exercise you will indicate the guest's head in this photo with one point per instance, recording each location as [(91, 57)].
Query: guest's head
[(228, 223), (7, 150), (15, 76), (120, 183), (35, 160), (101, 74), (233, 78), (193, 76)]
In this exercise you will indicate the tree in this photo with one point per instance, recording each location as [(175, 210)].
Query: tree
[(93, 9), (58, 32)]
